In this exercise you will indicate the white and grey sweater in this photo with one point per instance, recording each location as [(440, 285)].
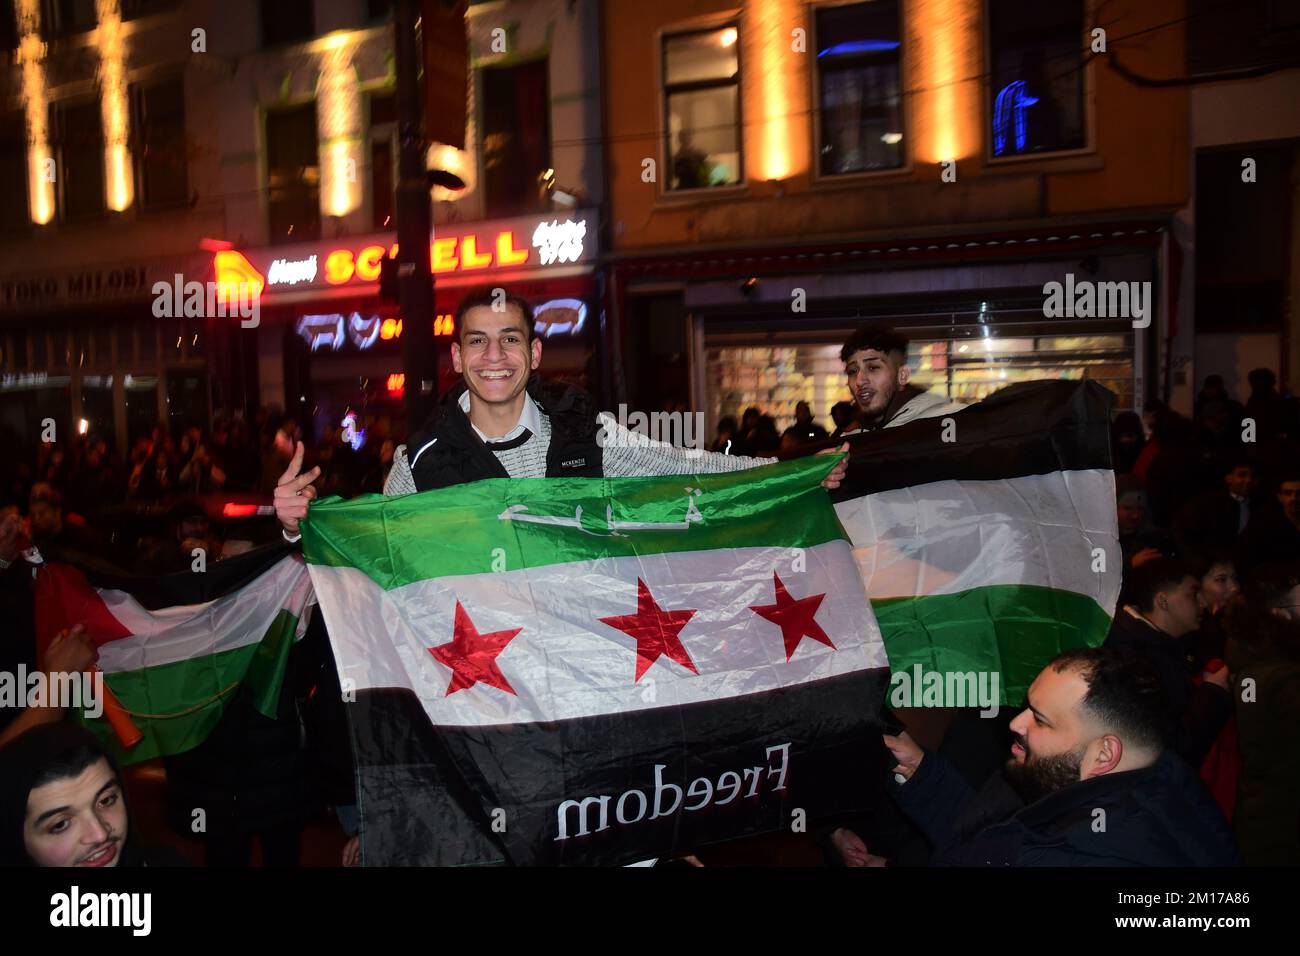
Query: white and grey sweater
[(626, 455)]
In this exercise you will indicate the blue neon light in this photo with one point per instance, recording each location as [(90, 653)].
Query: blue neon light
[(850, 47), (1009, 116)]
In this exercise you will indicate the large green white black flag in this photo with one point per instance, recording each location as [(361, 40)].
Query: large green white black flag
[(599, 671)]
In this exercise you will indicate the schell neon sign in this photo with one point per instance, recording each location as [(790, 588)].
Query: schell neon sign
[(532, 245)]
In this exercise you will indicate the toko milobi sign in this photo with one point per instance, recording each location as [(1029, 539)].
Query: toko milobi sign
[(529, 246)]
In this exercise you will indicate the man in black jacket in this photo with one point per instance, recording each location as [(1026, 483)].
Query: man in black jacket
[(1159, 624), (1089, 783)]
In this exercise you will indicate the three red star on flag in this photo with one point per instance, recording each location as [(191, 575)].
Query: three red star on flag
[(472, 657)]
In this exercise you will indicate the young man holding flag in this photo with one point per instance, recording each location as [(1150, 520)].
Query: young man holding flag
[(508, 422)]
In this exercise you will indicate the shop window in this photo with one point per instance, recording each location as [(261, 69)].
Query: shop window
[(79, 145), (701, 73), (516, 125), (13, 172), (293, 174), (161, 150), (146, 340), (287, 21), (383, 132), (1036, 84), (858, 84), (63, 17)]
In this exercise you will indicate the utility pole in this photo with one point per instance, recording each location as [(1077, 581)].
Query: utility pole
[(414, 226)]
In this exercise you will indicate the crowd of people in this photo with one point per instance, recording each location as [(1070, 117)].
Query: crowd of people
[(1199, 679)]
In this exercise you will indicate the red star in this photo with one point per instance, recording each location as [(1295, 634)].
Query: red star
[(797, 619), (472, 656), (655, 631)]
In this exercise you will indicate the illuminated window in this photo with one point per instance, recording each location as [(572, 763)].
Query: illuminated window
[(1036, 82), (702, 104), (516, 123), (858, 84), (79, 146), (293, 174), (13, 172), (161, 148), (287, 21)]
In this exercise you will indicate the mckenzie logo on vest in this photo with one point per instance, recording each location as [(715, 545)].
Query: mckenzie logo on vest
[(574, 463)]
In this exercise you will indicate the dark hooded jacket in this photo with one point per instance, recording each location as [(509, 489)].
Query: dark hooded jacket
[(1159, 815)]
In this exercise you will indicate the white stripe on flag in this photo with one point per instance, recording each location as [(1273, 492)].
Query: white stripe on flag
[(953, 536), (173, 634), (566, 663)]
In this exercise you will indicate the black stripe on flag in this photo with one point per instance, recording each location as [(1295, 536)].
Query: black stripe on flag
[(538, 794), (184, 587), (1030, 428)]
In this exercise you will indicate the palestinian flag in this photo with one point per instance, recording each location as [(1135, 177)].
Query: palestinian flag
[(988, 539), (598, 671), (175, 649)]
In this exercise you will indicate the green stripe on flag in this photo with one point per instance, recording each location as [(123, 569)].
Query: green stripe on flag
[(458, 530), (1013, 629), (177, 705)]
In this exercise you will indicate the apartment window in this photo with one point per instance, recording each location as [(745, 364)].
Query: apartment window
[(62, 17), (8, 27), (13, 172), (287, 21), (1036, 91), (140, 8), (161, 151), (293, 174), (79, 143), (702, 105), (858, 84), (383, 131), (516, 125)]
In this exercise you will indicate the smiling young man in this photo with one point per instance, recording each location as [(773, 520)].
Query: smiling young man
[(1089, 782), (505, 420), (879, 379)]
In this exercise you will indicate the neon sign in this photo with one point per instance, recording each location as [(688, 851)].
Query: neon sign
[(332, 330), (529, 244)]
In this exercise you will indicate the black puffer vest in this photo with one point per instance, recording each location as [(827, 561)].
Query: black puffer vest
[(459, 455)]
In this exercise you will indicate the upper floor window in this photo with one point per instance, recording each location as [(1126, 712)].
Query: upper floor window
[(1036, 54), (162, 148), (701, 73), (293, 174), (8, 28), (13, 171), (516, 125), (62, 17), (383, 157), (287, 21), (79, 145), (139, 8), (858, 85)]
